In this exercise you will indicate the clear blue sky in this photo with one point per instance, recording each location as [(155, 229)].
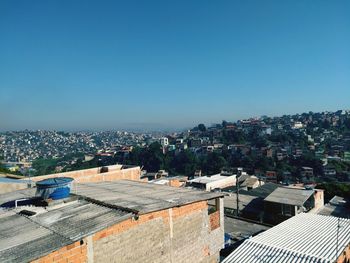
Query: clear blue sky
[(73, 65)]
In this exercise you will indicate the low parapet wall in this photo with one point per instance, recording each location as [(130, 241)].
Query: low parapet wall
[(79, 173), (115, 172), (10, 187)]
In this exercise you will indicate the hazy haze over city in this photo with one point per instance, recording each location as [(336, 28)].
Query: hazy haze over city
[(157, 65)]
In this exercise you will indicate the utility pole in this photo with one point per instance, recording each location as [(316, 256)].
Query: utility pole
[(239, 173)]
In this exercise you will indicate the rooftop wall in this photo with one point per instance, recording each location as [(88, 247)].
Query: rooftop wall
[(181, 234), (115, 172), (10, 187)]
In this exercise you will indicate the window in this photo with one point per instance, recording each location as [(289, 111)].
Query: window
[(214, 213)]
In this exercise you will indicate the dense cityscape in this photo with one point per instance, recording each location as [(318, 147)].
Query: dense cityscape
[(306, 148), (265, 174)]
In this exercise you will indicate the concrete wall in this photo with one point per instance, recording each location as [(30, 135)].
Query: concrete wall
[(94, 175), (78, 173), (10, 187), (115, 173), (222, 183), (182, 234), (319, 199), (73, 253)]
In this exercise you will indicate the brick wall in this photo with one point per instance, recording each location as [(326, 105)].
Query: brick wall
[(345, 256), (73, 253), (180, 234), (214, 220)]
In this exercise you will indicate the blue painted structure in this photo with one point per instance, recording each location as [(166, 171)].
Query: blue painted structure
[(54, 188)]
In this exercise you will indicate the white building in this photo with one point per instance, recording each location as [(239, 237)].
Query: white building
[(164, 141), (297, 125), (209, 183)]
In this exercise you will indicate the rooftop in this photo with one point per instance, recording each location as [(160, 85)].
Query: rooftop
[(240, 228), (250, 181), (337, 206), (210, 179), (92, 207), (289, 196), (302, 238), (141, 197), (23, 238)]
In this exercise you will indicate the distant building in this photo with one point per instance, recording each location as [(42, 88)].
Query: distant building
[(171, 147), (251, 182), (297, 125), (212, 182), (164, 141), (347, 156), (271, 176), (154, 176), (307, 173), (175, 181), (304, 238), (285, 202), (195, 142), (329, 171)]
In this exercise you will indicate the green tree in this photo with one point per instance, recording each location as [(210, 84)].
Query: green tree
[(185, 163), (202, 127), (213, 163)]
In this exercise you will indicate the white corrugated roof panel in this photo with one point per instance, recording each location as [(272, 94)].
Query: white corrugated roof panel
[(303, 238)]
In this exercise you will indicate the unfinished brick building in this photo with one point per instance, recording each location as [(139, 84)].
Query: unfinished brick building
[(121, 221)]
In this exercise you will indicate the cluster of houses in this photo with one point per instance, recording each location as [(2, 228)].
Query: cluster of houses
[(319, 135)]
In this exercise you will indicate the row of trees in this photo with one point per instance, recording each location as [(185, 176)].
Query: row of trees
[(186, 162)]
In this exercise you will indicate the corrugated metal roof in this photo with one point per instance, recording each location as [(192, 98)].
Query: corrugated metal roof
[(141, 197), (289, 196), (23, 239), (303, 238)]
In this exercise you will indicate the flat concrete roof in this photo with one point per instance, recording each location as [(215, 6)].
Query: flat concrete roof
[(210, 179), (241, 229), (289, 196), (141, 197)]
